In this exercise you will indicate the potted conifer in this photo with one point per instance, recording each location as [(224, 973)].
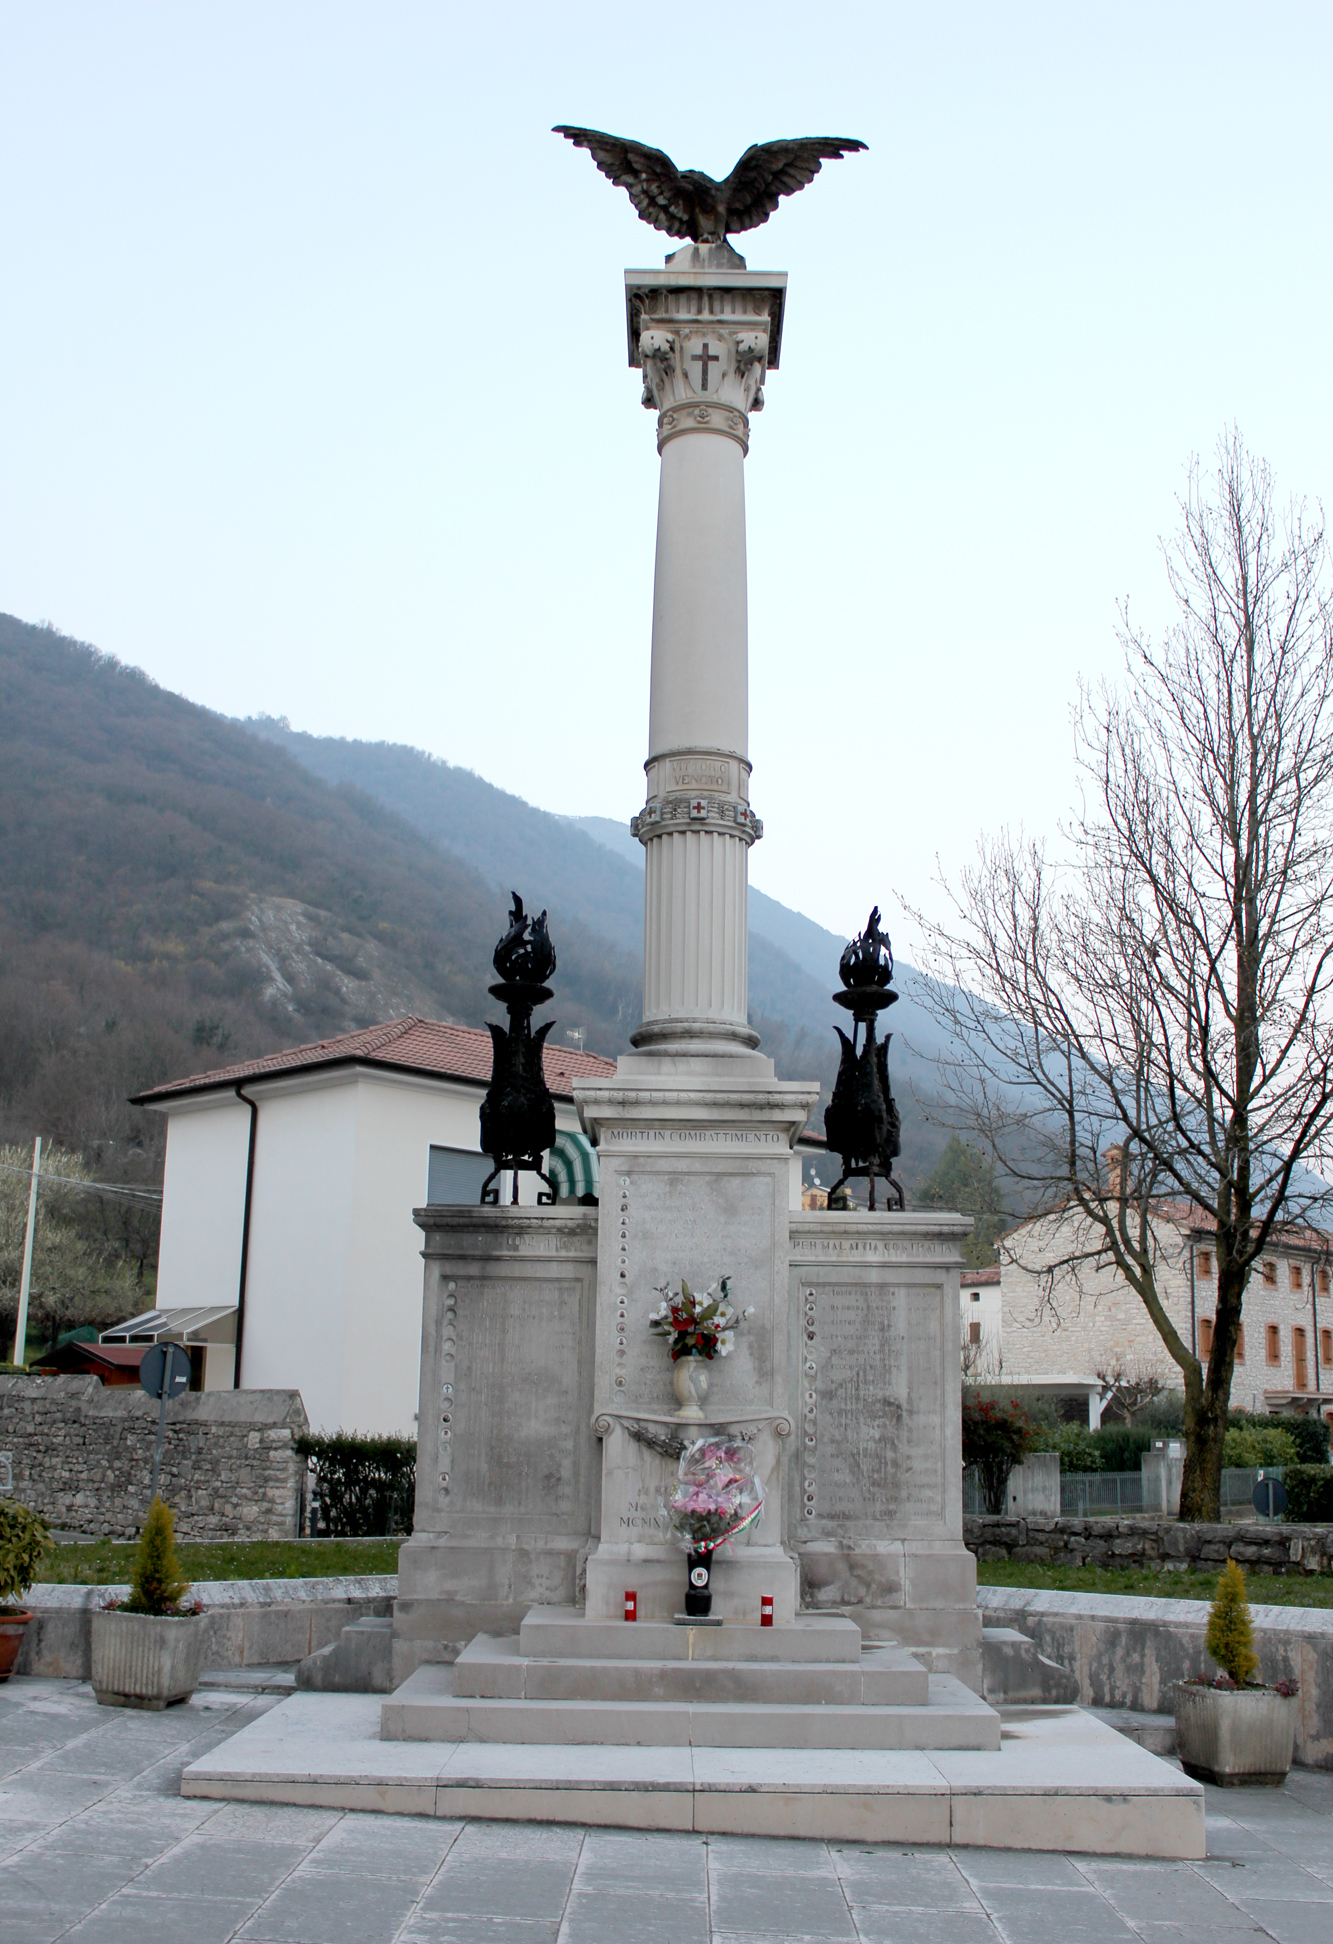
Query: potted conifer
[(1232, 1730), (24, 1542), (148, 1650)]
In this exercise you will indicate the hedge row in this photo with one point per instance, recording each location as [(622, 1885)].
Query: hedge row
[(362, 1487), (1309, 1494)]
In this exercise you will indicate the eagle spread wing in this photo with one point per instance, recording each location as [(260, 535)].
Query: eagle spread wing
[(689, 203), (771, 170), (651, 178)]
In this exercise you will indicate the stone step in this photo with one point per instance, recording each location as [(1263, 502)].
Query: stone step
[(491, 1669), (425, 1708), (565, 1633), (1014, 1674), (1059, 1780)]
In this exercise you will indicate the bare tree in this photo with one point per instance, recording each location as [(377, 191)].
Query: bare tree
[(980, 1365), (1130, 1386), (1162, 987)]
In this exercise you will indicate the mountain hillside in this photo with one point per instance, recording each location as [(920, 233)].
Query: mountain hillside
[(549, 858), (174, 890), (816, 951), (592, 868), (178, 890)]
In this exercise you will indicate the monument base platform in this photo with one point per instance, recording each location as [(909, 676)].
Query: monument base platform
[(569, 1677), (1061, 1780)]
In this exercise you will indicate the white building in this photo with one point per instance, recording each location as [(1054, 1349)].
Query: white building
[(287, 1209), (1066, 1323), (980, 1320)]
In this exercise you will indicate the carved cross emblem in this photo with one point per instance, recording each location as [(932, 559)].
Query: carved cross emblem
[(704, 358), (699, 806)]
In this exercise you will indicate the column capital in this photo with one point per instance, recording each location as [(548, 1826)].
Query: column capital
[(705, 339)]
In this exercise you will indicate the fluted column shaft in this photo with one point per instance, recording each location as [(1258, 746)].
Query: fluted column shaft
[(704, 334)]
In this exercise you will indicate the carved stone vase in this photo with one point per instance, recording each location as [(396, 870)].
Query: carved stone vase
[(689, 1380)]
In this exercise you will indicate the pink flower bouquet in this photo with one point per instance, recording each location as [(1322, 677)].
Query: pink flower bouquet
[(716, 1495)]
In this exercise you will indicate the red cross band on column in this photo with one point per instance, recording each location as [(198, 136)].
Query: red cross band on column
[(699, 807)]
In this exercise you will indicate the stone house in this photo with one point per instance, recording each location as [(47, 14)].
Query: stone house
[(1065, 1321)]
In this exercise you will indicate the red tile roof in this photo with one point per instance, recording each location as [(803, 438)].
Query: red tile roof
[(429, 1046), (976, 1277)]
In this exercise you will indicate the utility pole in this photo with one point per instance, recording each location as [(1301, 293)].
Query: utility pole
[(21, 1326)]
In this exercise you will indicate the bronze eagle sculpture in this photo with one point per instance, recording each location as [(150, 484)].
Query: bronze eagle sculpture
[(685, 202)]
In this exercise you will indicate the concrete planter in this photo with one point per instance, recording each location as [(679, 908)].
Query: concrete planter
[(1241, 1737), (143, 1660), (12, 1622)]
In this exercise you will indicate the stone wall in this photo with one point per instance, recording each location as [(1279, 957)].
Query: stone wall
[(82, 1457), (1299, 1549), (247, 1623), (1127, 1653)]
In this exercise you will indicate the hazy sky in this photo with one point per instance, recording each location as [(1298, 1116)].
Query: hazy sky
[(314, 396)]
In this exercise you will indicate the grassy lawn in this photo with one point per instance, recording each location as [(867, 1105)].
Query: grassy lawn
[(1265, 1589), (108, 1562)]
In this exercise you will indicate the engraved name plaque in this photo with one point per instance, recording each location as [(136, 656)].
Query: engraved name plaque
[(869, 1438), (516, 1405)]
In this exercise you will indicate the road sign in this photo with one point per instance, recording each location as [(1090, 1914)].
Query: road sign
[(164, 1372), (1269, 1497), (164, 1366)]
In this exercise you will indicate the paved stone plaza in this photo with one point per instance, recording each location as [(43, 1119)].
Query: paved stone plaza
[(97, 1845)]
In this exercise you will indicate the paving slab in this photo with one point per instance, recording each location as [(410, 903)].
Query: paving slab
[(463, 1879)]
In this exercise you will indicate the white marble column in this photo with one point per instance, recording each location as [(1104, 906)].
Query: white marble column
[(705, 332)]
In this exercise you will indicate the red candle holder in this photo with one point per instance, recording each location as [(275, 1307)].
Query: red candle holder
[(766, 1610), (632, 1606)]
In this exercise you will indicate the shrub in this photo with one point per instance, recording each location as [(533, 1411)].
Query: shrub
[(1309, 1494), (365, 1487), (157, 1584), (995, 1437), (1077, 1446), (1121, 1446), (25, 1541), (1258, 1444), (1163, 1418), (1230, 1638), (1308, 1434)]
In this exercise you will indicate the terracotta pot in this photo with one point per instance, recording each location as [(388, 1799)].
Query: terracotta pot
[(1234, 1737), (146, 1660), (12, 1622)]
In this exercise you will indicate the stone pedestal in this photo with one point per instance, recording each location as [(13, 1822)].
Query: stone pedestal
[(695, 1184), (875, 1500), (507, 1464)]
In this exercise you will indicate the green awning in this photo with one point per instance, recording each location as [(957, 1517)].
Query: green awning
[(573, 1166)]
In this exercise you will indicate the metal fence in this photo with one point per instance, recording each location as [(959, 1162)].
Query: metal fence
[(1107, 1495), (1238, 1483), (1093, 1495)]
